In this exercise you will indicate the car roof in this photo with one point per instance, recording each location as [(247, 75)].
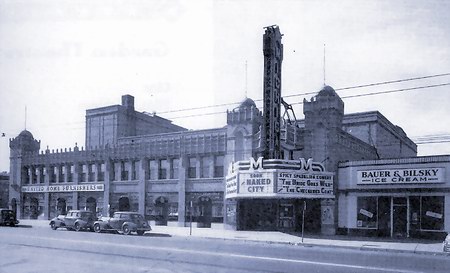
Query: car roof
[(127, 212)]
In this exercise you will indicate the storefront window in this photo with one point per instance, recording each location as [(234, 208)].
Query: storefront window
[(367, 212), (432, 217)]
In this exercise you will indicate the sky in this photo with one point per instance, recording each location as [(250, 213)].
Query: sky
[(59, 58)]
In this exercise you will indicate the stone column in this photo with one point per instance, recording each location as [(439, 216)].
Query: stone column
[(143, 165), (107, 183), (183, 163), (46, 194), (76, 179)]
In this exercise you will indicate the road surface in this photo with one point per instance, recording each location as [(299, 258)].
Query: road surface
[(31, 249)]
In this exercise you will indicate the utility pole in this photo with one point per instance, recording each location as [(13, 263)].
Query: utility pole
[(190, 218), (303, 219)]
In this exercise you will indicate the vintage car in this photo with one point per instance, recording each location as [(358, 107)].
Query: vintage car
[(8, 218), (446, 243), (74, 220), (123, 221)]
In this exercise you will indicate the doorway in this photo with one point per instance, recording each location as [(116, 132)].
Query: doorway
[(205, 212), (61, 206), (91, 204), (124, 204), (399, 217)]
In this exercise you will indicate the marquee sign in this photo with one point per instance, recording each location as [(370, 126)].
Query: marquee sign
[(401, 176), (64, 188), (307, 184), (278, 178)]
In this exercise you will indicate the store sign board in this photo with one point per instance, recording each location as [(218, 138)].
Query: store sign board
[(256, 183), (64, 188), (304, 185), (401, 176), (231, 185)]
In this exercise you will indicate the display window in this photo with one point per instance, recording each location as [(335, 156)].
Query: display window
[(367, 212)]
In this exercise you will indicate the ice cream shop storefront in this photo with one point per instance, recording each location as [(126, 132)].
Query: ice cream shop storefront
[(274, 194), (408, 197)]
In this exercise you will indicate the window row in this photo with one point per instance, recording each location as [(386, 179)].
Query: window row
[(197, 167)]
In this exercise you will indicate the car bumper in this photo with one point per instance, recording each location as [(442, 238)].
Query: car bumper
[(143, 229)]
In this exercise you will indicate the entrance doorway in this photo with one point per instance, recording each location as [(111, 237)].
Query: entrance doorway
[(124, 204), (205, 213), (399, 217), (61, 206), (91, 205), (161, 211)]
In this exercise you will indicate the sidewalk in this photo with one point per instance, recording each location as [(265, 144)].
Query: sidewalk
[(362, 243)]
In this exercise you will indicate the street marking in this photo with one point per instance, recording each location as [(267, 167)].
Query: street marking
[(203, 252)]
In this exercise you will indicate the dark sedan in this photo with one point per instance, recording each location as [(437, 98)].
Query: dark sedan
[(74, 220), (123, 221)]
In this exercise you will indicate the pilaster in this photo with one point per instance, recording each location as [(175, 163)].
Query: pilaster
[(183, 162)]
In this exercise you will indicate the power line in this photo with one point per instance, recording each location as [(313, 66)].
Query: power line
[(311, 93), (344, 97)]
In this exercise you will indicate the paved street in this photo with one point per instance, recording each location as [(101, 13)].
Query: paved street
[(31, 249)]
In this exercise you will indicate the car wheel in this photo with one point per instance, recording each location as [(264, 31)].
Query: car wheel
[(77, 226), (97, 228), (126, 230), (53, 225), (140, 232)]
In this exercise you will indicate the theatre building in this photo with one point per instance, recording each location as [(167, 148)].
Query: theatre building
[(262, 170), (407, 197)]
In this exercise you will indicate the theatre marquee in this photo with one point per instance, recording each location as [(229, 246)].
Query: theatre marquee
[(278, 179)]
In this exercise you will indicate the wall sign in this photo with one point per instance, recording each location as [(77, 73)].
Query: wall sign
[(401, 176), (64, 188)]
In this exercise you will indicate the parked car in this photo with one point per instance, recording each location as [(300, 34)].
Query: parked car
[(446, 243), (8, 218), (74, 220), (123, 221)]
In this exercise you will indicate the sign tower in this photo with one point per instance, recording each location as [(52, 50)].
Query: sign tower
[(273, 56)]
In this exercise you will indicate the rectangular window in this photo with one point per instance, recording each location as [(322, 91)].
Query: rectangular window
[(114, 171), (134, 171), (192, 169), (25, 175), (205, 165), (90, 171), (101, 172), (82, 174), (34, 174), (163, 169), (432, 216), (43, 172), (60, 173), (70, 170), (175, 170), (218, 166), (123, 171), (153, 169), (367, 212)]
